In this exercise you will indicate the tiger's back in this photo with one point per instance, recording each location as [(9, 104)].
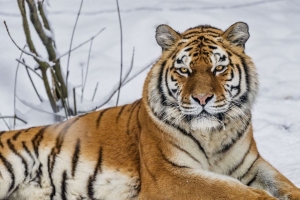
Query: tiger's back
[(87, 157)]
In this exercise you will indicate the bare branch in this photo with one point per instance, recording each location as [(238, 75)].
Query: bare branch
[(33, 85), (26, 52), (15, 86), (80, 45), (27, 67), (41, 63), (121, 64), (74, 98), (37, 109), (18, 118), (138, 73), (123, 84), (87, 69), (131, 66), (95, 91), (4, 121), (69, 54)]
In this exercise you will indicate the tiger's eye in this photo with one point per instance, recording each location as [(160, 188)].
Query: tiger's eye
[(219, 68), (183, 70)]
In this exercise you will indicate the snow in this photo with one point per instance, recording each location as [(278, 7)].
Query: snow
[(273, 45)]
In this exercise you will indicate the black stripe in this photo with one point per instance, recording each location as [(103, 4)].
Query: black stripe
[(120, 113), (188, 49), (171, 162), (252, 180), (50, 160), (59, 141), (160, 85), (75, 157), (10, 170), (133, 106), (186, 152), (1, 133), (37, 140), (100, 116), (228, 53), (39, 174), (92, 178), (90, 188), (166, 82), (247, 171), (241, 161), (212, 47), (192, 43), (193, 32), (56, 150), (13, 149), (16, 135), (137, 118), (27, 150), (64, 186), (99, 162), (184, 133), (231, 75), (240, 133), (29, 129), (238, 87)]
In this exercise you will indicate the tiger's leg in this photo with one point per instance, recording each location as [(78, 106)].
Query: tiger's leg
[(264, 176), (183, 183)]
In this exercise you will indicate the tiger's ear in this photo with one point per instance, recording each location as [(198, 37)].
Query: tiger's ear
[(166, 36), (237, 34)]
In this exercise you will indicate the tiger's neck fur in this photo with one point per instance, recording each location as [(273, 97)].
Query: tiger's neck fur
[(206, 147)]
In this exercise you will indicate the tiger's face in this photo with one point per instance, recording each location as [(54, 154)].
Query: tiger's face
[(205, 78)]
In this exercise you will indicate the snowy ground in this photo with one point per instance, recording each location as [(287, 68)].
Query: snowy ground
[(274, 45)]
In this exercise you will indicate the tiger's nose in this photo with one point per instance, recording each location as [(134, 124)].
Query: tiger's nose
[(202, 99)]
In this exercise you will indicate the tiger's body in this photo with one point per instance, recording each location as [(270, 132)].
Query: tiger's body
[(189, 137)]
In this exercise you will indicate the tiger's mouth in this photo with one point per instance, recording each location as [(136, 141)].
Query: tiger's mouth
[(205, 116)]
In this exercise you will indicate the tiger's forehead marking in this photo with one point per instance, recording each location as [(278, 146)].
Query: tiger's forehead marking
[(216, 54), (219, 57), (184, 58)]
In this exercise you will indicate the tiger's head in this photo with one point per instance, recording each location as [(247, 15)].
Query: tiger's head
[(203, 78)]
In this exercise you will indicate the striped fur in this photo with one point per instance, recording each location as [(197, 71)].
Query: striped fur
[(164, 146)]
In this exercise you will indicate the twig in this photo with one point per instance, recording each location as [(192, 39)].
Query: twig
[(138, 73), (27, 67), (80, 45), (74, 98), (87, 69), (40, 98), (40, 61), (4, 121), (27, 53), (69, 54), (37, 109), (95, 91), (131, 66), (18, 118), (121, 64), (123, 84), (15, 87)]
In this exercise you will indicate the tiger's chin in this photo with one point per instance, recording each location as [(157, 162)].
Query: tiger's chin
[(206, 122)]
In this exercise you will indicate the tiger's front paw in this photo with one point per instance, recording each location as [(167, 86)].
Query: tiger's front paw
[(262, 195), (292, 195)]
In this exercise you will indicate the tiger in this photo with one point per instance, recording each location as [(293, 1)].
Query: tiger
[(190, 136)]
